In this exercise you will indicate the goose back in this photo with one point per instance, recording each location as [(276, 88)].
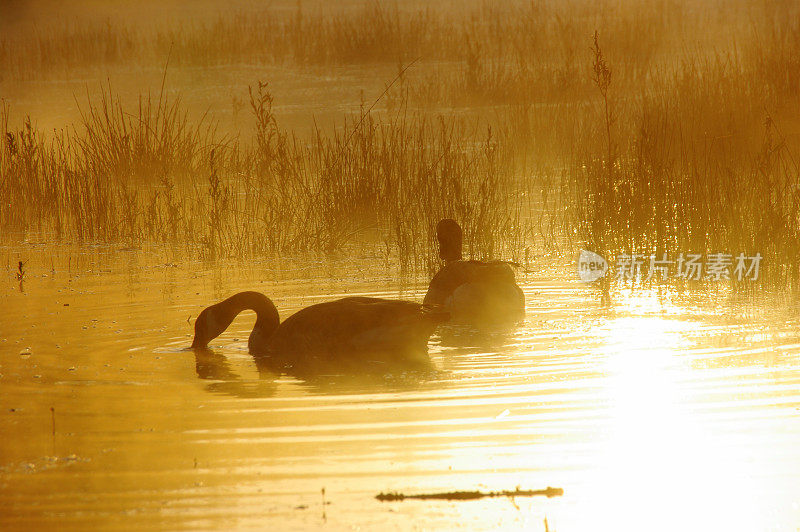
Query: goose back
[(346, 335), (477, 292), (354, 331)]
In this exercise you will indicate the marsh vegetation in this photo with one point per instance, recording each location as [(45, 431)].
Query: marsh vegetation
[(155, 160), (666, 125)]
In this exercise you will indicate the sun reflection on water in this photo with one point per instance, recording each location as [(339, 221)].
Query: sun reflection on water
[(660, 466), (651, 415)]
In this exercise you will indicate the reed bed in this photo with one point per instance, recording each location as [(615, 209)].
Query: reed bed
[(622, 127), (703, 159), (151, 176), (491, 43)]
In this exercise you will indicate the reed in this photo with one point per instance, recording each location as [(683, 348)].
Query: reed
[(695, 161), (512, 40), (668, 127), (149, 176)]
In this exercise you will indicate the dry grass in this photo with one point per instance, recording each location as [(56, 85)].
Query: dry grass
[(676, 130), (703, 159), (496, 44), (150, 176)]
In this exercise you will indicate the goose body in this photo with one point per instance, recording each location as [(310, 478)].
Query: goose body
[(346, 335), (474, 292)]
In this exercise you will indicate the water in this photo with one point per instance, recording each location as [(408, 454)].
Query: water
[(662, 412)]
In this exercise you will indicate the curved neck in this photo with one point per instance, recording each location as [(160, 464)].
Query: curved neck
[(215, 319), (450, 253), (449, 235)]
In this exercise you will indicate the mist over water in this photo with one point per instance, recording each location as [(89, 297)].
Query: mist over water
[(686, 400), (158, 158)]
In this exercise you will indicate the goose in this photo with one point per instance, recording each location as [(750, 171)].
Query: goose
[(353, 334), (474, 292)]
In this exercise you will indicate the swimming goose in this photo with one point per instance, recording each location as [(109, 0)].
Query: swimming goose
[(350, 334), (475, 292)]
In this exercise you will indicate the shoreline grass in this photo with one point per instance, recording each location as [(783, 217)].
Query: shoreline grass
[(646, 139), (150, 176)]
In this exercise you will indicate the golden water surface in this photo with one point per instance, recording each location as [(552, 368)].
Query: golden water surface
[(661, 411)]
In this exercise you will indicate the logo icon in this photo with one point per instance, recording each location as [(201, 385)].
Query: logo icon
[(591, 266)]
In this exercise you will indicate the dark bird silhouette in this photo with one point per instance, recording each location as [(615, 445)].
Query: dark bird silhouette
[(354, 334), (475, 292)]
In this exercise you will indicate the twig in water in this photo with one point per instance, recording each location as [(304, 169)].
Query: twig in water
[(21, 275), (471, 495)]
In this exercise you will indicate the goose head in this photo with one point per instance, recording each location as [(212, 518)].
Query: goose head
[(213, 320)]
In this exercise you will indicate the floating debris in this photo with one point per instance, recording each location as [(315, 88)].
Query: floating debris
[(43, 464), (471, 495)]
